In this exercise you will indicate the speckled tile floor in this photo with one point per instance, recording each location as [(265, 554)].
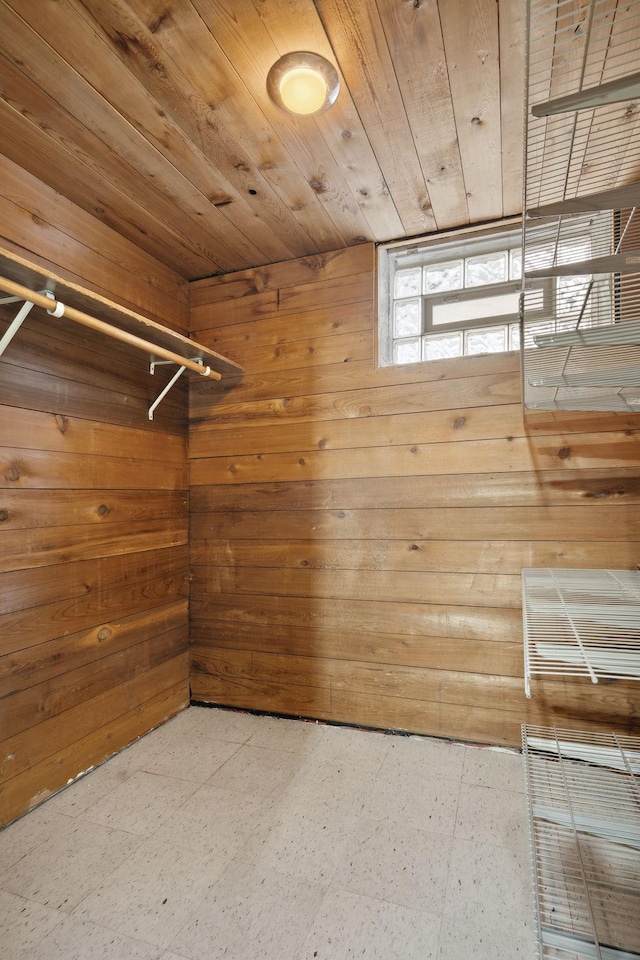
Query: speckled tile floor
[(226, 835)]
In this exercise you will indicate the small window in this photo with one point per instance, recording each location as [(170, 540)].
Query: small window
[(460, 296)]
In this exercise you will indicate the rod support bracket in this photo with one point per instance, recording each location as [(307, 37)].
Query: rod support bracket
[(171, 383), (16, 323), (58, 310)]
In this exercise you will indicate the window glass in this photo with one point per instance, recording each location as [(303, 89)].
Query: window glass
[(488, 268), (406, 351), (571, 295), (490, 340), (407, 283), (443, 276), (441, 348), (407, 321)]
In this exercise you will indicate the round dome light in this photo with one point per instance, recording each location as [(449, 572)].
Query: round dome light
[(303, 83)]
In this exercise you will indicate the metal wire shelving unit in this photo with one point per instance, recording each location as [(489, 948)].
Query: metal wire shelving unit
[(584, 806), (580, 317), (581, 623)]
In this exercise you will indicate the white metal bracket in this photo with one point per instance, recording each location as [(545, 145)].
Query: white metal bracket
[(58, 310), (172, 382), (22, 315), (16, 323)]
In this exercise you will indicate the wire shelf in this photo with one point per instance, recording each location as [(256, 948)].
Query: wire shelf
[(584, 807), (581, 623), (581, 233)]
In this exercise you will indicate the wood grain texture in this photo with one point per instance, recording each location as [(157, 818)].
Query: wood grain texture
[(109, 75), (459, 688), (491, 389), (22, 752), (32, 430), (88, 578), (357, 535), (110, 369), (293, 26), (154, 117), (27, 708), (30, 626), (345, 643), (42, 546), (562, 488), (93, 516), (476, 590), (116, 720), (276, 276), (511, 18), (241, 37), (83, 125), (439, 523), (521, 455), (33, 216), (357, 35), (414, 35), (357, 376), (34, 468), (77, 396), (360, 618), (292, 300), (40, 663), (471, 42), (446, 426), (34, 510), (407, 556)]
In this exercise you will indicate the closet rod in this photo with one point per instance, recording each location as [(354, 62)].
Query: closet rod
[(59, 309)]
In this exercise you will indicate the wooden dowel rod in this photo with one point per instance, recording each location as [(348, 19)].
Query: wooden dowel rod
[(40, 300)]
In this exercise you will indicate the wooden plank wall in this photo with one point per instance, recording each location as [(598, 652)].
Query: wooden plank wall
[(93, 512), (357, 534)]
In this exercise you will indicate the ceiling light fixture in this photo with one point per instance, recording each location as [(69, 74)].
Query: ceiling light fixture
[(303, 83)]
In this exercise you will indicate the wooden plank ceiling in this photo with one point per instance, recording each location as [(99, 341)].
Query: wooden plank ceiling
[(153, 116)]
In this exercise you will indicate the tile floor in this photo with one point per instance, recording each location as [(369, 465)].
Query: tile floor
[(226, 835)]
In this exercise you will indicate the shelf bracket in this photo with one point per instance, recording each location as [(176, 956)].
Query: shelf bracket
[(617, 199), (616, 91), (22, 315), (578, 945), (17, 321), (627, 262), (172, 382)]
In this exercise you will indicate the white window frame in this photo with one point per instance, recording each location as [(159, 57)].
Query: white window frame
[(442, 249)]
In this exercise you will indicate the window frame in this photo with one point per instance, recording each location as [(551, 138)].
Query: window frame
[(478, 293), (439, 249)]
